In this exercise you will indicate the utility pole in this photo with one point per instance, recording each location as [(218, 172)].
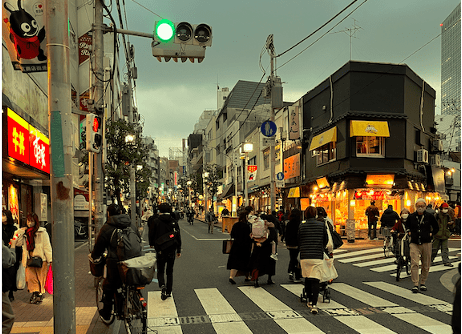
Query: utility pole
[(270, 48), (98, 98), (61, 178)]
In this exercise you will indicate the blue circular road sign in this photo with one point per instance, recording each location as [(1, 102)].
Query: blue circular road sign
[(268, 128), (280, 176)]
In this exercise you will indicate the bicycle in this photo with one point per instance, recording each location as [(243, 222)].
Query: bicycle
[(387, 242), (403, 256), (129, 306)]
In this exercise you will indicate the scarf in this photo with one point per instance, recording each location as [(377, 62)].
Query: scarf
[(30, 233)]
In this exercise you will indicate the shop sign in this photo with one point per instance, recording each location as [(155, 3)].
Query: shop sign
[(81, 200), (85, 43), (294, 121), (292, 166), (27, 144), (252, 172), (373, 195), (23, 31), (380, 179), (322, 183)]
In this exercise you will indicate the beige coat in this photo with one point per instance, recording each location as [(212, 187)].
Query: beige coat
[(42, 245)]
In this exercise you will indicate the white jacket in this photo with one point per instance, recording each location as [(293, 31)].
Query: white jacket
[(42, 245)]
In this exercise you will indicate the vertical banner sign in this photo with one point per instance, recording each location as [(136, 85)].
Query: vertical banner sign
[(18, 133), (292, 166), (39, 150), (176, 178), (23, 29), (85, 43), (252, 172), (294, 122)]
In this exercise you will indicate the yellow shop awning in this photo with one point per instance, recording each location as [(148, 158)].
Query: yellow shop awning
[(294, 192), (324, 138), (369, 129)]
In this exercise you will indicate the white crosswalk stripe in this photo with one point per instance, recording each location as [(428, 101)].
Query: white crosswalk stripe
[(220, 314)]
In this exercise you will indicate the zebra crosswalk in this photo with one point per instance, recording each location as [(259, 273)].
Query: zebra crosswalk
[(292, 317), (374, 259)]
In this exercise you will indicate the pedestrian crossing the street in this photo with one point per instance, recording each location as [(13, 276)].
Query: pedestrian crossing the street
[(420, 312)]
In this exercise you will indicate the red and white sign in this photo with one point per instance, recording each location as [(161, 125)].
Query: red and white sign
[(27, 144), (251, 172)]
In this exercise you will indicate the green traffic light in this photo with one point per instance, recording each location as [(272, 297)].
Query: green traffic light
[(165, 30)]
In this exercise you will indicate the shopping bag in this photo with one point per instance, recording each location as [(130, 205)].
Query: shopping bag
[(49, 281), (227, 244), (328, 270), (21, 277)]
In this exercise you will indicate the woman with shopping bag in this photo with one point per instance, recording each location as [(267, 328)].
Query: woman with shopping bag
[(313, 240), (36, 256)]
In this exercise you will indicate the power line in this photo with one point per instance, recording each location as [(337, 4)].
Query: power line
[(147, 9), (333, 18), (322, 35)]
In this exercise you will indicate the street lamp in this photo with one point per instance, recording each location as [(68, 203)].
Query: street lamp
[(246, 148), (129, 138), (204, 177)]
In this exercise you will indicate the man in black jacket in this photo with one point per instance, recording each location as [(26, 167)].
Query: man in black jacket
[(372, 213), (422, 226), (165, 238), (107, 240)]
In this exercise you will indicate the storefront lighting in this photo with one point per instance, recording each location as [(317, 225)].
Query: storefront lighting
[(352, 202), (453, 170), (315, 188), (408, 202), (448, 173), (371, 192)]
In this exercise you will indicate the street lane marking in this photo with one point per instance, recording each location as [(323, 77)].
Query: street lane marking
[(183, 230), (360, 258), (162, 313), (361, 252), (222, 315), (373, 263), (426, 323), (284, 316), (297, 289), (363, 325), (362, 296)]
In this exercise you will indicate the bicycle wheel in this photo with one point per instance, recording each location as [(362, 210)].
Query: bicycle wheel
[(99, 297), (398, 268), (135, 314), (386, 248), (408, 265)]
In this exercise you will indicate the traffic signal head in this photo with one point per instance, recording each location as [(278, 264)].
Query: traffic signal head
[(94, 132), (164, 30)]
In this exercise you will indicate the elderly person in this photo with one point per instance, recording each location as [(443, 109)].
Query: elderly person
[(312, 240), (440, 240), (239, 256), (422, 227), (35, 243)]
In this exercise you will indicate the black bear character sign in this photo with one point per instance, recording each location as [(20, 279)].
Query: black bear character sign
[(24, 33)]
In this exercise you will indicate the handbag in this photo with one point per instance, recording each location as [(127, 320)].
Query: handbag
[(35, 262), (227, 244), (328, 270), (49, 281), (21, 277), (336, 239), (330, 244), (97, 266)]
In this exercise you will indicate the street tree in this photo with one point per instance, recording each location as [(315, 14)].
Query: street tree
[(212, 181)]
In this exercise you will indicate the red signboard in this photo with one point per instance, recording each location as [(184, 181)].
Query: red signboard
[(85, 42), (27, 144), (18, 137)]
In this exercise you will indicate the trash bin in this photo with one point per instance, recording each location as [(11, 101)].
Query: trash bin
[(350, 230)]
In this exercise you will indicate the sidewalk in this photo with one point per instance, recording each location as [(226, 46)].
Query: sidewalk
[(38, 318)]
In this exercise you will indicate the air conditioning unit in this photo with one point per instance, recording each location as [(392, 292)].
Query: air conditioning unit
[(437, 145), (435, 160), (422, 156)]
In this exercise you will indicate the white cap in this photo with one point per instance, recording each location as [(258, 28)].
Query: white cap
[(420, 200)]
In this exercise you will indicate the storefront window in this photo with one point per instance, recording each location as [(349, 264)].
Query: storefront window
[(370, 146), (325, 153)]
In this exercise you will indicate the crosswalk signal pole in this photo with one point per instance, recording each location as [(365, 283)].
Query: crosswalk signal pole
[(270, 48)]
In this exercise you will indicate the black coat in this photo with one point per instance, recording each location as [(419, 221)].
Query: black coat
[(239, 255), (422, 232), (389, 218), (160, 226), (9, 274), (291, 234), (312, 239), (260, 259)]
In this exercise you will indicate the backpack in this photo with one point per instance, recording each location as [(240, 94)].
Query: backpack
[(128, 243), (258, 229), (167, 240)]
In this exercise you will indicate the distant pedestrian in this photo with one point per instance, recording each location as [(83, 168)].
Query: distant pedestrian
[(8, 261), (292, 245), (210, 219), (440, 239), (372, 213), (389, 217), (167, 247), (35, 242), (225, 213), (239, 256), (313, 240), (9, 274), (422, 226), (430, 210)]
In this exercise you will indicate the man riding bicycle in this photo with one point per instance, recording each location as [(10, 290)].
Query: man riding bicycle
[(107, 241)]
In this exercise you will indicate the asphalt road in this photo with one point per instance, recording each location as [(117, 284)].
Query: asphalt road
[(364, 298)]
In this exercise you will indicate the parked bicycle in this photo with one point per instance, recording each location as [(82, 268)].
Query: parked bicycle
[(80, 230), (387, 242), (403, 256)]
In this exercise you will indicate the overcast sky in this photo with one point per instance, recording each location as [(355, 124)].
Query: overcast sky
[(171, 96)]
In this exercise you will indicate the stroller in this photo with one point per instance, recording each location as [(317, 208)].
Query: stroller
[(324, 288)]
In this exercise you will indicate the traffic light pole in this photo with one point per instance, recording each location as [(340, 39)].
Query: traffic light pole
[(61, 177)]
